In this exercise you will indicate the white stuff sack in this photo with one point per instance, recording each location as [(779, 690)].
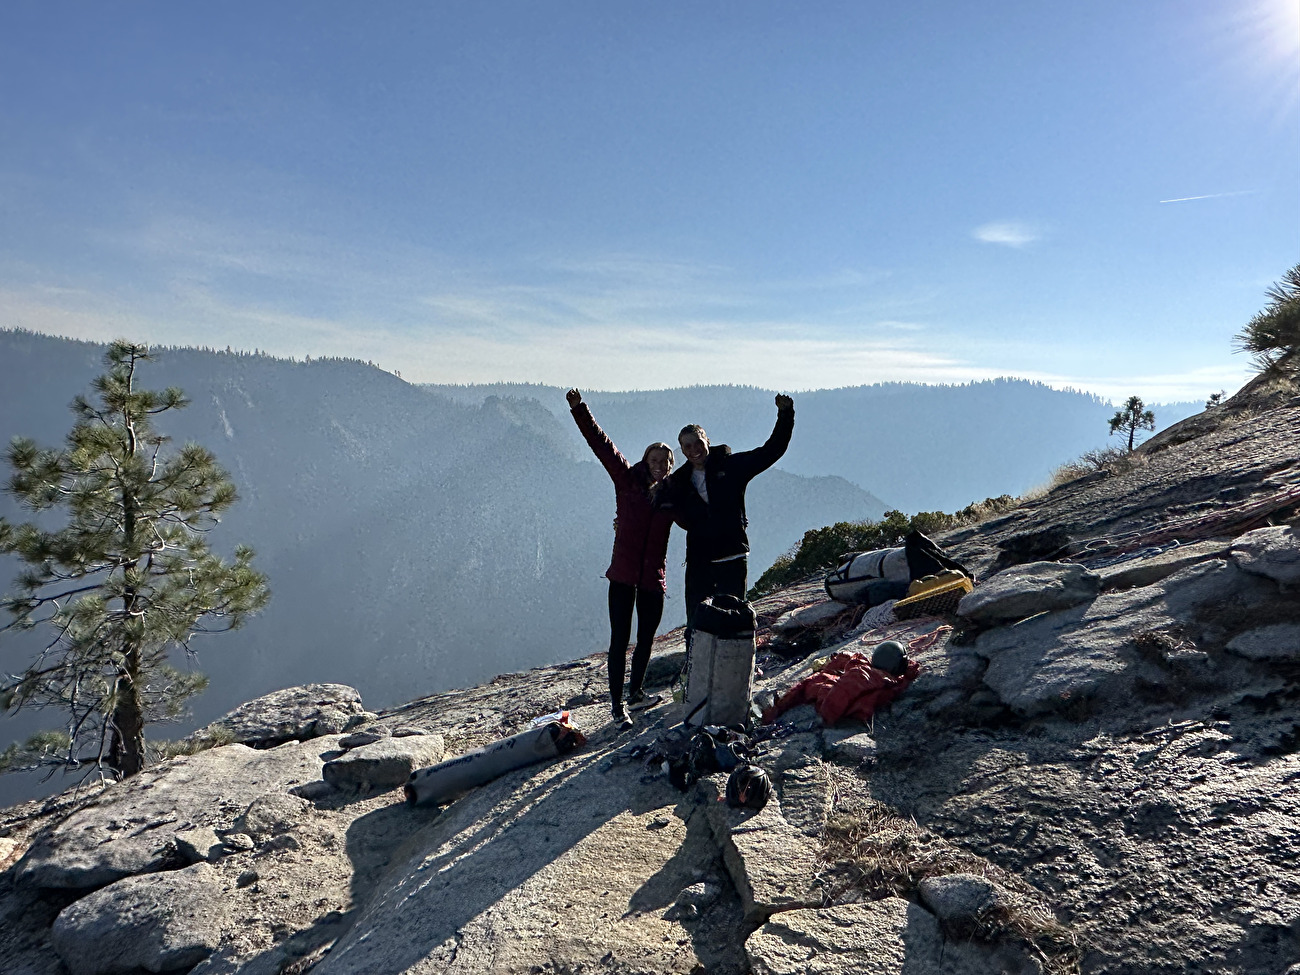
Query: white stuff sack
[(719, 679), (848, 582)]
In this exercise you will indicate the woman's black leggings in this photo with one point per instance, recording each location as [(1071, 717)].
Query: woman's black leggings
[(649, 605)]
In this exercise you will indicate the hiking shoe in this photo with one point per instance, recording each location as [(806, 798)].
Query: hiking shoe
[(640, 700), (619, 715)]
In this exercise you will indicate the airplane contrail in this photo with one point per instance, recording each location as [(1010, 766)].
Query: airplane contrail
[(1207, 196)]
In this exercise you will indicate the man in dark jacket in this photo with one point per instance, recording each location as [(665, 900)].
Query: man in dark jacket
[(707, 498)]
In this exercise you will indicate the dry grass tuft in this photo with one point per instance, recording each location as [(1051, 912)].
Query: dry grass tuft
[(1114, 460), (873, 853), (213, 736)]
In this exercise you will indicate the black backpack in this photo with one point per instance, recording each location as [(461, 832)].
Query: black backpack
[(925, 558), (715, 750)]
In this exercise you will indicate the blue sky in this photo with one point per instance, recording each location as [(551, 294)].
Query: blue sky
[(619, 195)]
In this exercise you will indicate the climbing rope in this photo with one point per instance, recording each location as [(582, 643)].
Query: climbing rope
[(927, 640), (1228, 521)]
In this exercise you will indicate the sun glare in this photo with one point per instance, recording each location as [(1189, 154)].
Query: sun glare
[(1269, 33), (1260, 42)]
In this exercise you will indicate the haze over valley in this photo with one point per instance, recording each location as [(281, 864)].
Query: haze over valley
[(421, 538)]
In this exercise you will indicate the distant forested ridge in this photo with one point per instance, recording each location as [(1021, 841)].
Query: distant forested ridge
[(412, 542), (918, 447)]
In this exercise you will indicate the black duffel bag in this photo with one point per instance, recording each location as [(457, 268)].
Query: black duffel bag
[(726, 617)]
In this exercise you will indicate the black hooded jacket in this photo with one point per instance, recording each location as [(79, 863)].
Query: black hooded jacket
[(717, 530)]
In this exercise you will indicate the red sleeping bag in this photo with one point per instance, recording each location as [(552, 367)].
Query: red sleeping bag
[(847, 687)]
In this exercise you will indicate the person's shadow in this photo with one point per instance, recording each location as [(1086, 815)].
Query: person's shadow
[(415, 898)]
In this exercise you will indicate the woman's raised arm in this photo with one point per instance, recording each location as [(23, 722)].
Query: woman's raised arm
[(609, 456)]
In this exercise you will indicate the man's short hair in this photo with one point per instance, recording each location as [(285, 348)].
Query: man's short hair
[(693, 428)]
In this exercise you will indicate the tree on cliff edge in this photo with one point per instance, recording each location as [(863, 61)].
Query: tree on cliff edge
[(1131, 419), (1273, 335), (126, 581)]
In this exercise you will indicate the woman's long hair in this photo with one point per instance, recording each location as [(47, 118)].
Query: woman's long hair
[(653, 486), (645, 457)]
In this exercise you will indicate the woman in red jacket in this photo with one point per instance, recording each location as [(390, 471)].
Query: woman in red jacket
[(636, 572)]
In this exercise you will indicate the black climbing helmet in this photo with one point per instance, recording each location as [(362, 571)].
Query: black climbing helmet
[(748, 788), (890, 656)]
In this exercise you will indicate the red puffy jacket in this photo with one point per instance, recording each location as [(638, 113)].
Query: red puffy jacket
[(847, 687), (640, 531)]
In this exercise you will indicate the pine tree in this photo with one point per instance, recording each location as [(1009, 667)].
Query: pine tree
[(1132, 418), (1273, 335), (128, 580)]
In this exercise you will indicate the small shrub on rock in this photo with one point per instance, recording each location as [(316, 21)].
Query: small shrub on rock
[(875, 853)]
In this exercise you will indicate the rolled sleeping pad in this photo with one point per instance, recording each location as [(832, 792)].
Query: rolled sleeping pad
[(443, 782)]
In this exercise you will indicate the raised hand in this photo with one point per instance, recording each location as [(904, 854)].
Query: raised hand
[(574, 397), (784, 402)]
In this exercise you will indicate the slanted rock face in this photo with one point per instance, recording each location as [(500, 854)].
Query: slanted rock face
[(159, 923), (201, 843), (294, 714), (806, 795), (885, 937), (1026, 590), (8, 852), (857, 748), (1272, 552), (1144, 570), (871, 939), (1052, 662), (131, 828), (1281, 641), (271, 815), (562, 867), (772, 864)]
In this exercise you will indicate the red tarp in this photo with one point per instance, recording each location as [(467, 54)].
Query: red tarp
[(847, 687)]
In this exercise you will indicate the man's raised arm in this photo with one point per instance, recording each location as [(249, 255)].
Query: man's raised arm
[(761, 458)]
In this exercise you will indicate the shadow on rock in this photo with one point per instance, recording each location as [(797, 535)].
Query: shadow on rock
[(511, 870)]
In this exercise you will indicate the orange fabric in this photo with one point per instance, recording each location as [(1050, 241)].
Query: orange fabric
[(847, 687)]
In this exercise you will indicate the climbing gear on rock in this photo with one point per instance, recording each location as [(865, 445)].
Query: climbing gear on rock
[(883, 574), (869, 577), (707, 750), (926, 640)]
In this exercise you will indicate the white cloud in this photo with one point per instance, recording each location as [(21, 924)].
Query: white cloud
[(495, 341), (620, 321), (1006, 232), (502, 340)]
